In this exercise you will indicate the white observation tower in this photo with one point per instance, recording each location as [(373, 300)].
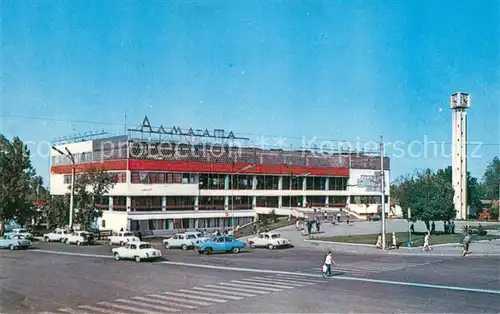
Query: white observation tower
[(459, 102)]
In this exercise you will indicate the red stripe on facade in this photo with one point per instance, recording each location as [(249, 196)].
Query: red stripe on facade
[(110, 165), (201, 167)]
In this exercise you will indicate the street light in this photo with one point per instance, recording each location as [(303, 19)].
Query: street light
[(72, 195), (247, 167)]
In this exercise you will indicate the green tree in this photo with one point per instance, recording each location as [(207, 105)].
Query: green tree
[(16, 174), (474, 187), (56, 211), (429, 195), (491, 180), (90, 187)]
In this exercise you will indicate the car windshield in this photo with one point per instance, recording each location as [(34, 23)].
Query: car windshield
[(128, 234), (190, 236), (145, 246), (17, 237), (22, 231), (275, 236)]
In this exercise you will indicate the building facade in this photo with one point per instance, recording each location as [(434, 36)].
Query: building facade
[(168, 186)]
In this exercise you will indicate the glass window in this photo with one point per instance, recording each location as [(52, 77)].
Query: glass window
[(145, 246), (133, 246), (337, 184)]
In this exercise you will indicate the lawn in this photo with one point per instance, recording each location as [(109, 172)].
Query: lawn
[(417, 238)]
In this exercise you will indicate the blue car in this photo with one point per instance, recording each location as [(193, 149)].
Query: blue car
[(14, 242), (220, 244)]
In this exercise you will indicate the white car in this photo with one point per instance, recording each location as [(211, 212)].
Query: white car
[(122, 237), (137, 251), (58, 235), (270, 240), (80, 238), (20, 231), (184, 241)]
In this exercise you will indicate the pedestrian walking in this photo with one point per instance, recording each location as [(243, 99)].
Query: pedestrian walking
[(427, 245), (327, 266), (465, 245)]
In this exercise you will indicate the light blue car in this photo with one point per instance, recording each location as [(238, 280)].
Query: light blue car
[(220, 244), (14, 242)]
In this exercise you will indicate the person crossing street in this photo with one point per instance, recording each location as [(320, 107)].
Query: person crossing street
[(327, 266)]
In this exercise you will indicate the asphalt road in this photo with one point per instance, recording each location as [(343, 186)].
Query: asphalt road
[(36, 280)]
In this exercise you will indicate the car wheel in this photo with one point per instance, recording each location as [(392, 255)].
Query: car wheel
[(167, 246), (137, 259), (110, 243), (236, 250), (63, 240), (200, 252), (121, 243), (47, 239), (252, 245), (117, 256), (78, 243), (271, 247), (184, 247), (209, 251), (12, 247)]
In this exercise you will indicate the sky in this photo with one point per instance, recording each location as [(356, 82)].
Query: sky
[(299, 73)]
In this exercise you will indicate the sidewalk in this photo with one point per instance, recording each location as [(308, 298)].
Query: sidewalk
[(483, 248)]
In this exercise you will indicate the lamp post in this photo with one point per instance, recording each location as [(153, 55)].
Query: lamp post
[(72, 195)]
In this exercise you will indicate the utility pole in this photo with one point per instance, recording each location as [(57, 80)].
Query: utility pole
[(382, 190)]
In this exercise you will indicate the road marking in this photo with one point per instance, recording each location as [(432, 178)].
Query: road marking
[(265, 280), (416, 284), (170, 299), (241, 291), (241, 294), (123, 307), (147, 305), (154, 300), (238, 287), (297, 279), (289, 281), (265, 285), (256, 270), (96, 309), (182, 295), (208, 294), (246, 284)]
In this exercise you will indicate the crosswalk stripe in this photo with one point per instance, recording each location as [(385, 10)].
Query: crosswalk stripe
[(124, 307), (221, 295), (170, 299), (297, 278), (265, 280), (235, 290), (247, 284), (99, 310), (285, 280), (154, 300), (143, 304), (241, 294), (350, 270), (244, 288), (182, 295), (263, 284)]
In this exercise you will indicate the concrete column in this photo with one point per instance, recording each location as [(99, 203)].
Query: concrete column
[(254, 182), (254, 201), (304, 187), (227, 179), (111, 203), (226, 202), (129, 203), (163, 203), (196, 202), (280, 188)]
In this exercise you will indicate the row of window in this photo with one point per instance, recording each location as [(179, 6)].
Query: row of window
[(116, 177)]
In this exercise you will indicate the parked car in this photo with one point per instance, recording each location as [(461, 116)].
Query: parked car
[(20, 231), (137, 251), (58, 235), (220, 244), (14, 242), (270, 240), (184, 241), (80, 238), (122, 237)]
